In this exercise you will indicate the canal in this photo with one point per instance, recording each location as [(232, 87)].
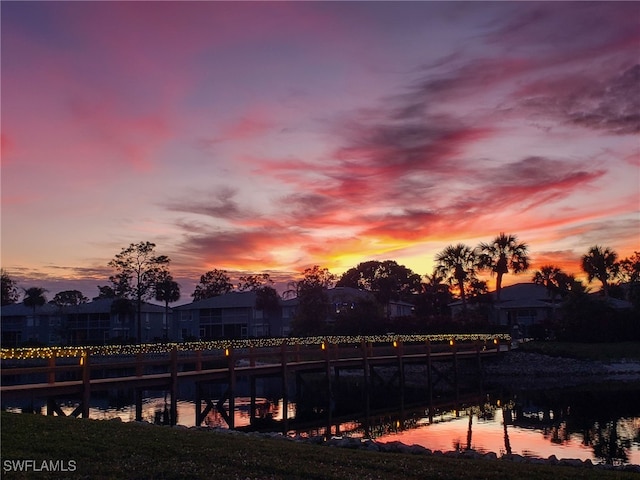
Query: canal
[(598, 422)]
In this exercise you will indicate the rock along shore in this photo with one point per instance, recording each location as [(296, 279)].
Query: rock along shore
[(398, 447), (533, 370)]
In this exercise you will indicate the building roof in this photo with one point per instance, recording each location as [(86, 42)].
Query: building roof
[(102, 305), (228, 300), (524, 295), (520, 295), (20, 309), (341, 294)]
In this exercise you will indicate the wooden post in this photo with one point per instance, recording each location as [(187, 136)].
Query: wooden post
[(327, 356), (455, 369), (285, 390), (86, 383), (367, 402), (139, 366), (198, 360), (51, 374), (479, 357), (232, 389), (138, 395), (198, 402), (430, 380), (252, 408), (173, 415), (400, 353), (252, 356)]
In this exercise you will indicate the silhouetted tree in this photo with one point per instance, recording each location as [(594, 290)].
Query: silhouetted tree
[(435, 296), (630, 268), (363, 317), (9, 289), (124, 308), (630, 276), (167, 291), (555, 281), (601, 263), (386, 280), (213, 283), (34, 297), (68, 298), (137, 271), (458, 265), (105, 292), (313, 303), (504, 253), (251, 283), (267, 300)]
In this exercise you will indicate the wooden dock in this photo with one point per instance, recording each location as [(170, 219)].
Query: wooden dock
[(76, 372)]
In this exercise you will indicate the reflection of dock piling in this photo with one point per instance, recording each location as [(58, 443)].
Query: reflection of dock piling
[(163, 366)]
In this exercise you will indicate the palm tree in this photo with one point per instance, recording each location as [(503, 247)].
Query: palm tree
[(601, 263), (167, 291), (34, 297), (436, 292), (504, 253), (457, 264), (554, 280), (547, 276)]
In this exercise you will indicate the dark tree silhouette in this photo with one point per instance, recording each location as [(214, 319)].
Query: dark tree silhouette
[(386, 280), (9, 289), (68, 298), (503, 254), (137, 271), (457, 264), (630, 275), (167, 291), (251, 283), (555, 281), (601, 263), (34, 297), (105, 291), (213, 283), (435, 296), (313, 301)]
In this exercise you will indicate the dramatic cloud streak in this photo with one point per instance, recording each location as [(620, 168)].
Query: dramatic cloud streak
[(273, 136)]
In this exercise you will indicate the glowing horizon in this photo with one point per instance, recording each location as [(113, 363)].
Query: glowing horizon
[(269, 137)]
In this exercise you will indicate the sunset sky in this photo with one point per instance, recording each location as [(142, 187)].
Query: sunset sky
[(269, 137)]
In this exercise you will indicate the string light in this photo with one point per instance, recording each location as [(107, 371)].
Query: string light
[(212, 345)]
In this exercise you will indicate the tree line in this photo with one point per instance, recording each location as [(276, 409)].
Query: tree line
[(140, 274)]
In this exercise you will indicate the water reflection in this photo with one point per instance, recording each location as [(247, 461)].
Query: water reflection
[(512, 429), (601, 426)]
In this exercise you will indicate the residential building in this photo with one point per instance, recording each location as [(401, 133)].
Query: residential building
[(92, 323), (233, 315), (25, 325)]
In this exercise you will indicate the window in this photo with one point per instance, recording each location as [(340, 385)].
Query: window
[(210, 315)]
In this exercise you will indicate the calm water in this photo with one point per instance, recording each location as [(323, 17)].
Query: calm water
[(602, 425)]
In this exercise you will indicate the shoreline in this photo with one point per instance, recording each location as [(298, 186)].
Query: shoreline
[(526, 370)]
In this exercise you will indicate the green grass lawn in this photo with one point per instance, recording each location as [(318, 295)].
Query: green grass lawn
[(113, 450), (587, 351)]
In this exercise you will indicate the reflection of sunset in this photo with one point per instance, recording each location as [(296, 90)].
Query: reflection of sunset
[(446, 432)]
